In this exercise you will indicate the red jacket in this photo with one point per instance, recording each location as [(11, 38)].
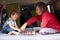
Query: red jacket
[(48, 21)]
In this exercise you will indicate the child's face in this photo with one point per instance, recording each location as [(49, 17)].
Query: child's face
[(14, 17), (38, 11)]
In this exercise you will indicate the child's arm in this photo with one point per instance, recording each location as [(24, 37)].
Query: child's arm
[(14, 28), (17, 28), (23, 27), (30, 21)]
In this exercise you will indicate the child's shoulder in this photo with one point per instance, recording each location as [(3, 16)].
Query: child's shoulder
[(9, 19)]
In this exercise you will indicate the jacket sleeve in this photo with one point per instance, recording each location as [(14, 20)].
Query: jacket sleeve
[(33, 19)]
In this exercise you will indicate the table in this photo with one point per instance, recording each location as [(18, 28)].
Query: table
[(37, 36), (30, 37)]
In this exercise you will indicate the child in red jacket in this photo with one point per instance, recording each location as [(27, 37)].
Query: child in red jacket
[(49, 22)]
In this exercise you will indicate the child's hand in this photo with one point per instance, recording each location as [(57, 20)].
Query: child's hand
[(19, 30), (23, 27)]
